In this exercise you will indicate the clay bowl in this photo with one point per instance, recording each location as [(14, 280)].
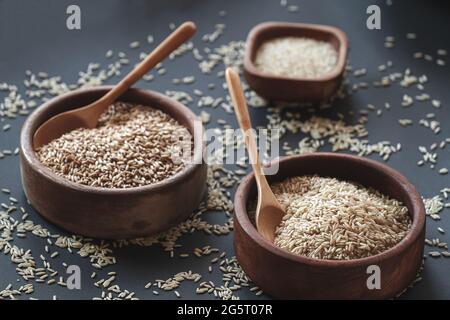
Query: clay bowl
[(112, 213), (282, 88), (285, 275)]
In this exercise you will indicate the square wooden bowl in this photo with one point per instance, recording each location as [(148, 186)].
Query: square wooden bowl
[(280, 88)]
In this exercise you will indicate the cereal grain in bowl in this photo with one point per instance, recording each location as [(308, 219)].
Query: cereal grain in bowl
[(295, 62), (132, 145), (327, 218), (108, 212), (284, 274), (296, 57)]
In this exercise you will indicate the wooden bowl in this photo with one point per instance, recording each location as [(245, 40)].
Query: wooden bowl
[(273, 87), (286, 275), (112, 213)]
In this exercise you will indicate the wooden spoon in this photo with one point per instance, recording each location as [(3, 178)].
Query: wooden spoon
[(87, 116), (268, 211)]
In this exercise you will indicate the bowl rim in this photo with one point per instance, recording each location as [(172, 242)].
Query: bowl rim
[(418, 214), (261, 28), (28, 153)]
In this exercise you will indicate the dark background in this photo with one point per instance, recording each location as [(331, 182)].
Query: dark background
[(33, 36)]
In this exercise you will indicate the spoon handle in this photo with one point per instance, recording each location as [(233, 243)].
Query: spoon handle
[(243, 117), (172, 42)]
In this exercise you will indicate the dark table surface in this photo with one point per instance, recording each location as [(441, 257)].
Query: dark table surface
[(33, 35)]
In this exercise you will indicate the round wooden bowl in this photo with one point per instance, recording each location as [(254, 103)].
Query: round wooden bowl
[(112, 213), (273, 87), (285, 275)]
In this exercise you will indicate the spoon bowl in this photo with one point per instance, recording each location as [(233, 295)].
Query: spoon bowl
[(269, 218), (58, 125)]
